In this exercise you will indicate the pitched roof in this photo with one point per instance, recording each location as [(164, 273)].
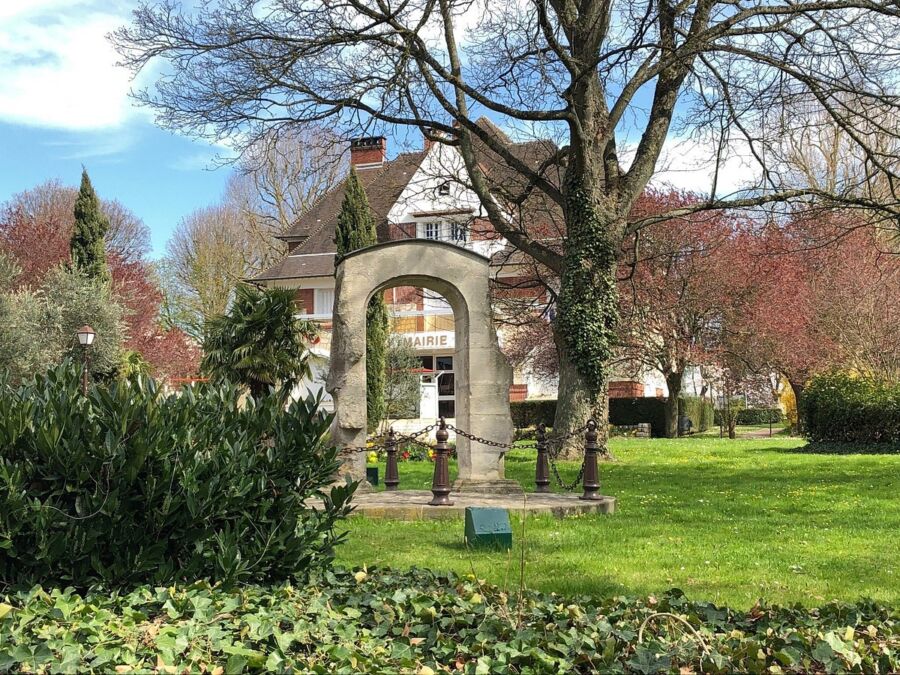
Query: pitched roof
[(313, 234), (300, 266), (383, 187)]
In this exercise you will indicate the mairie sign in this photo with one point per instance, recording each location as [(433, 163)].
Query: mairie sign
[(444, 339)]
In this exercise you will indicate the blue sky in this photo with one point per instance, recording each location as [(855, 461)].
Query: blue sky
[(64, 103)]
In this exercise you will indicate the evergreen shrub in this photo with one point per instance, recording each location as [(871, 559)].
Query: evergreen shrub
[(622, 412), (131, 485), (840, 407)]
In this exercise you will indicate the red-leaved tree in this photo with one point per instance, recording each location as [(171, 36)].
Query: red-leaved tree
[(35, 229)]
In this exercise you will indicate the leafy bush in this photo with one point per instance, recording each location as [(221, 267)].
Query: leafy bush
[(624, 412), (760, 416), (840, 407), (420, 622), (531, 413), (37, 328), (699, 410), (130, 485)]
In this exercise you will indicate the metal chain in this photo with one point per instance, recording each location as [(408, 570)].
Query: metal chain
[(399, 438), (558, 441)]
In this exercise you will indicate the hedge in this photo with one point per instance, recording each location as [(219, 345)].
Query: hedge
[(839, 407), (699, 410), (425, 623), (641, 409), (755, 416), (128, 485), (622, 412), (531, 413)]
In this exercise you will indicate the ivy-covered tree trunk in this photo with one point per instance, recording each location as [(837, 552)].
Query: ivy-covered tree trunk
[(588, 308), (673, 382)]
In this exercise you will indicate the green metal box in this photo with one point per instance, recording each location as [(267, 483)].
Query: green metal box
[(372, 474), (488, 527)]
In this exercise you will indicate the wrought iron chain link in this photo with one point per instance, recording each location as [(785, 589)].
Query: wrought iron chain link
[(552, 455), (399, 439)]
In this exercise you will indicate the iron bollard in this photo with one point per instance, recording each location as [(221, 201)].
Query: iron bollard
[(440, 484), (591, 475), (542, 470), (391, 474)]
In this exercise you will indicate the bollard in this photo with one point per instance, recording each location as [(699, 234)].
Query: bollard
[(440, 484), (591, 475), (542, 470), (391, 474)]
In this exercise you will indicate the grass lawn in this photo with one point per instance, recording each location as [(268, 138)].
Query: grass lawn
[(726, 521)]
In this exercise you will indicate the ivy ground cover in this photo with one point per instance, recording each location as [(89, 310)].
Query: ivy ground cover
[(419, 622), (728, 521)]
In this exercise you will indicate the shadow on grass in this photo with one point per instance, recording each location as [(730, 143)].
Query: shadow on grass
[(823, 448)]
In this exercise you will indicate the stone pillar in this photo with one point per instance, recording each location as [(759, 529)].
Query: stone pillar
[(483, 375)]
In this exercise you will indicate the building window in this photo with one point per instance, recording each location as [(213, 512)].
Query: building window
[(458, 233), (427, 362), (433, 231), (444, 189), (324, 301)]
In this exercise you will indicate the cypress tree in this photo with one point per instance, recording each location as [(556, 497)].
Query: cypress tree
[(88, 242), (356, 229)]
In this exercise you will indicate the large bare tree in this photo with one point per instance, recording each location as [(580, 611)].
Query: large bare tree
[(610, 81)]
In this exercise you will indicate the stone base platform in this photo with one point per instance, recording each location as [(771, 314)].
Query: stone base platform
[(413, 504)]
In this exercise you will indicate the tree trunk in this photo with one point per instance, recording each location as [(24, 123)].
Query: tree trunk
[(798, 388), (673, 382), (576, 403)]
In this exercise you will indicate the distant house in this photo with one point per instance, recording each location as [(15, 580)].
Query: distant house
[(422, 195)]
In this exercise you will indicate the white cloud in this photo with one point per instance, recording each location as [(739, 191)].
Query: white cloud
[(57, 69), (690, 164)]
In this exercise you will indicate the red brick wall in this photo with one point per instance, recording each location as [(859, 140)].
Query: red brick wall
[(626, 389), (518, 287), (518, 392), (304, 300), (481, 229)]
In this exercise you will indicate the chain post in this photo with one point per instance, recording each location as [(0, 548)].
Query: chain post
[(440, 484), (391, 474), (591, 475), (542, 469)]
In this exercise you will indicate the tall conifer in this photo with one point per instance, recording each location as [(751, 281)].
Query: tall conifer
[(88, 243), (356, 229)]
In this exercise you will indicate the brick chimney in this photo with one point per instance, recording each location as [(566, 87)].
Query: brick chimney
[(368, 152), (436, 136)]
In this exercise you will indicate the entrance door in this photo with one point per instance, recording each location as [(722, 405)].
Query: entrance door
[(446, 381)]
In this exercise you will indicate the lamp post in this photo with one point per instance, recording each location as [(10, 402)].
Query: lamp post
[(86, 337)]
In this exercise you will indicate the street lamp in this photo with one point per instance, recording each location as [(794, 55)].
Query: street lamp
[(86, 337)]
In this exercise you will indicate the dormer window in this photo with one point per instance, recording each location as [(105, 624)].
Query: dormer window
[(444, 189), (455, 233)]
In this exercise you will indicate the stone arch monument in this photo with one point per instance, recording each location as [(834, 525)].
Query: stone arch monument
[(483, 374)]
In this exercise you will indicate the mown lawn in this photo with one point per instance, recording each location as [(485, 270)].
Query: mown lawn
[(727, 521)]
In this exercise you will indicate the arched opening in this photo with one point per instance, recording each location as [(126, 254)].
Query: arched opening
[(446, 364), (422, 363)]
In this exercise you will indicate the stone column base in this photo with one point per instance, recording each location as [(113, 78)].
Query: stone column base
[(500, 486)]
